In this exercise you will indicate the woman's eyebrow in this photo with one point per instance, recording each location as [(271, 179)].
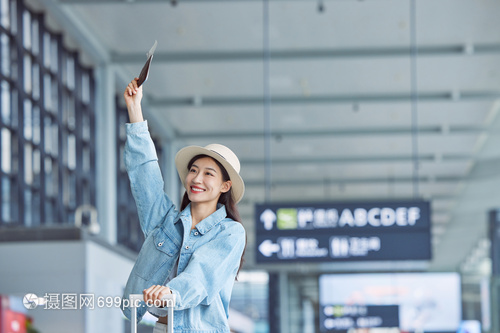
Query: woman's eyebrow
[(211, 169)]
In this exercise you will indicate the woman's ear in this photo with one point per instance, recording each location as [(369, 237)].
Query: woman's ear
[(226, 186)]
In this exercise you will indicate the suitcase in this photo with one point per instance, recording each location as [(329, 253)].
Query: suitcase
[(135, 299)]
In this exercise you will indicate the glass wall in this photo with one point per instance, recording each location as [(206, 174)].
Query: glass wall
[(47, 160)]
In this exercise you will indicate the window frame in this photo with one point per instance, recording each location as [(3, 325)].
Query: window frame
[(54, 69)]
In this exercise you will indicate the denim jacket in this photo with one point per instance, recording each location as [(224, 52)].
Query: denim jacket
[(209, 255)]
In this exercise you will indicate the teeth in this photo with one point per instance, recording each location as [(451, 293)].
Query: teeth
[(196, 189)]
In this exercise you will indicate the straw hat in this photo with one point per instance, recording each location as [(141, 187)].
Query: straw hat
[(221, 154)]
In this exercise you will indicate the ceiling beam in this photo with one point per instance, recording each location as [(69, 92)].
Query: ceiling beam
[(336, 132), (312, 54), (221, 101), (362, 159), (347, 181), (481, 173)]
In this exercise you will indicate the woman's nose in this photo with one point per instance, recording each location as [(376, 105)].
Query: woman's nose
[(197, 178)]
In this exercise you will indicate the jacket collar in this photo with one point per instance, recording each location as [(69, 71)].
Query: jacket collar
[(209, 222)]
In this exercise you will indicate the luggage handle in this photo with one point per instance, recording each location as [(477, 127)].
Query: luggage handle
[(135, 299)]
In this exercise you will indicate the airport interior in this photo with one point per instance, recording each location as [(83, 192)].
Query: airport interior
[(368, 134)]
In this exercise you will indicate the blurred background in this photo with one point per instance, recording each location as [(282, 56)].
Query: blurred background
[(367, 131)]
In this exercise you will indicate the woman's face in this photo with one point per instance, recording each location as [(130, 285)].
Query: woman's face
[(204, 182)]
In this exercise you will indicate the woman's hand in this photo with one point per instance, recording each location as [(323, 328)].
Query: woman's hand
[(133, 97), (154, 294)]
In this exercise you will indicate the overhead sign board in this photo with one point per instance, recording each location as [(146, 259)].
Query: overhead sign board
[(343, 231)]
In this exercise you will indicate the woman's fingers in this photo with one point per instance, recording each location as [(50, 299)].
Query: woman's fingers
[(149, 293), (132, 87), (162, 292), (129, 89), (154, 294)]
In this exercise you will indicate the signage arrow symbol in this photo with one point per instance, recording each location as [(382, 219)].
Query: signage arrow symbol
[(267, 248), (268, 217)]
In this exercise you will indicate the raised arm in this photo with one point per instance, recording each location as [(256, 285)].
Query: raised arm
[(141, 162)]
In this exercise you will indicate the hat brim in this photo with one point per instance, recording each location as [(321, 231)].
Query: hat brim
[(185, 155)]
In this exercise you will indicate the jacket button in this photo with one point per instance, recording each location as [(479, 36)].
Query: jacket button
[(196, 233), (160, 243), (187, 247)]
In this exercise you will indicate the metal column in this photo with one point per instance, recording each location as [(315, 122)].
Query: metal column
[(106, 155)]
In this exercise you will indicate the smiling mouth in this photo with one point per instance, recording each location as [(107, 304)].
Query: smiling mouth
[(197, 190)]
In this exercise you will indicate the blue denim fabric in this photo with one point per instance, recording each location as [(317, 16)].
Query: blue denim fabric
[(209, 255)]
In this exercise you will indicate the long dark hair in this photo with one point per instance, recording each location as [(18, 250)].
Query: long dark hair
[(225, 198)]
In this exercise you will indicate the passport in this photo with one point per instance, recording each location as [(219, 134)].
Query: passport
[(145, 69)]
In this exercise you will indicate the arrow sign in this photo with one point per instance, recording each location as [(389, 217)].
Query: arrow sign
[(267, 248), (268, 218)]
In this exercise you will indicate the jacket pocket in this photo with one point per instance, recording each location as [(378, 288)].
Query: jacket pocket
[(158, 250)]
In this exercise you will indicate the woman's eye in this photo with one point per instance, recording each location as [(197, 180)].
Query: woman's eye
[(192, 170), (209, 174)]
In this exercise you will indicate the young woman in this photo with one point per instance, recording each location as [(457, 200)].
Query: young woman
[(195, 252)]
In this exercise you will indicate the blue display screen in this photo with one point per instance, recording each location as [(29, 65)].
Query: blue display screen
[(343, 232)]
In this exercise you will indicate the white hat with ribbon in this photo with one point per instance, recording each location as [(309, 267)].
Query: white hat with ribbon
[(221, 154)]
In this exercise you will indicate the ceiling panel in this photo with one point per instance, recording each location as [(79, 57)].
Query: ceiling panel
[(339, 119), (190, 26), (358, 170)]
